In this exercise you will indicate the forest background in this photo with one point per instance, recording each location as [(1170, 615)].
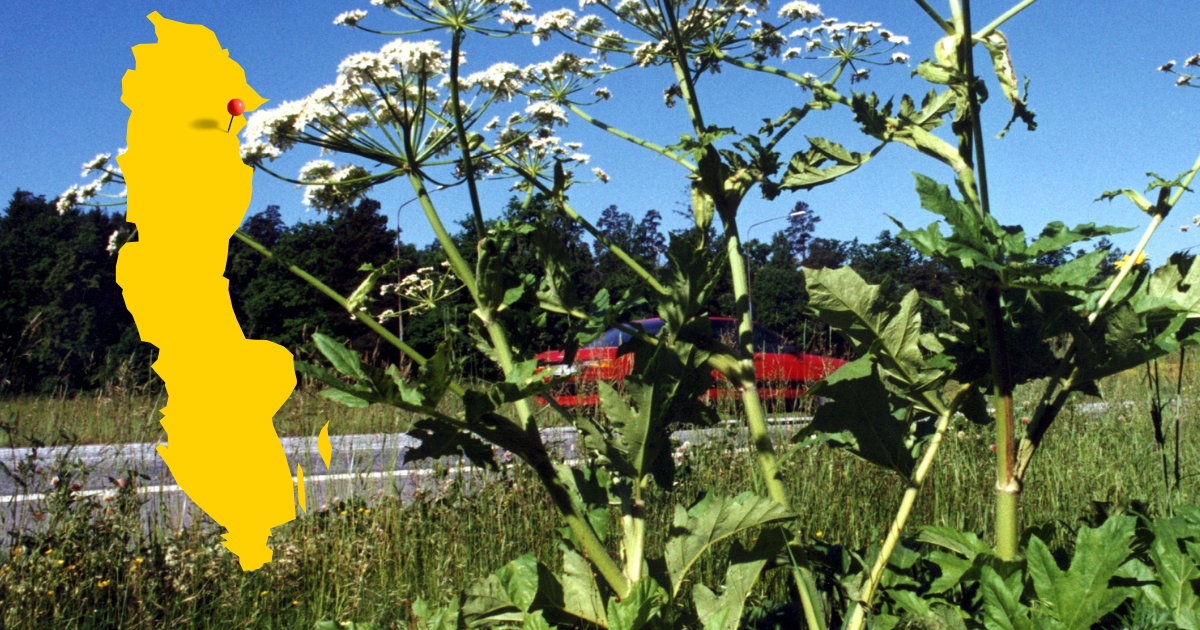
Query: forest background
[(64, 328)]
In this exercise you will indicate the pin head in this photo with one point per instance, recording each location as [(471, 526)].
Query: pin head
[(235, 107)]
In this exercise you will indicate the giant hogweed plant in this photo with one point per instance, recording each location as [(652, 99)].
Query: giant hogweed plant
[(409, 110)]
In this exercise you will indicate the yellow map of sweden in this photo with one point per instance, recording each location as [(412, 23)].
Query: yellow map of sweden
[(187, 192)]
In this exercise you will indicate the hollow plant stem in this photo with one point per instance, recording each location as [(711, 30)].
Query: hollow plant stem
[(858, 616), (646, 144), (744, 378), (535, 452), (460, 131)]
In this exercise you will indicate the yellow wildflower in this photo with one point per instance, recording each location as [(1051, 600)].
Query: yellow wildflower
[(295, 602), (820, 533), (262, 594), (137, 560), (1125, 261), (58, 563), (104, 583)]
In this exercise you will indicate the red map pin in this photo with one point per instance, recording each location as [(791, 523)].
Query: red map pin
[(235, 108)]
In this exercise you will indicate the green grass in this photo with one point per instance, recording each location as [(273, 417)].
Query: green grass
[(369, 559)]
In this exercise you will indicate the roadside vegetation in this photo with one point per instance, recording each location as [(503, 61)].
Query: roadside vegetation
[(369, 559)]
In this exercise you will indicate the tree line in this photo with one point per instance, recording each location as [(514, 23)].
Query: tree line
[(64, 328)]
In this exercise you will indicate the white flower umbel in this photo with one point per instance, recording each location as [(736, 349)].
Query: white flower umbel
[(547, 114), (801, 11), (501, 80), (350, 18)]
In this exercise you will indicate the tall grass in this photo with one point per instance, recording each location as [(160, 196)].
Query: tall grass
[(93, 564)]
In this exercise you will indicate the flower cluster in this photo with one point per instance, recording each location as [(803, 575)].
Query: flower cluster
[(1185, 79), (424, 288), (109, 172), (332, 187), (847, 43)]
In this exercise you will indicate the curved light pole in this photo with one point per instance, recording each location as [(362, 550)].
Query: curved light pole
[(750, 262)]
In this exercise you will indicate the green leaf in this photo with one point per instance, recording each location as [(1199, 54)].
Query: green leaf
[(446, 618), (856, 309), (745, 566), (346, 398), (862, 413), (646, 598), (710, 520), (822, 163), (344, 360), (1079, 597), (487, 602), (1002, 607), (519, 579), (581, 595), (997, 46), (966, 544), (441, 440), (535, 621), (1177, 575), (1132, 195)]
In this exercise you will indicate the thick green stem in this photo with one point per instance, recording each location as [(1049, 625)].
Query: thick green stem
[(756, 418), (941, 22), (535, 454), (631, 138), (858, 616), (633, 521), (1004, 17), (461, 132), (970, 147), (457, 262)]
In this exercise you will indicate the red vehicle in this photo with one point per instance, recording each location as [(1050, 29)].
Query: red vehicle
[(783, 372)]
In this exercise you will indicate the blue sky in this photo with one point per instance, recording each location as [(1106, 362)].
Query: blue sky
[(1105, 116)]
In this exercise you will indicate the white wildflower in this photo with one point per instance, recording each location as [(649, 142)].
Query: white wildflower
[(97, 163), (602, 93), (601, 175), (862, 74), (1194, 60), (547, 113), (560, 20), (256, 150), (518, 19), (589, 24), (1185, 80), (69, 199), (349, 18), (423, 59), (582, 158), (502, 79), (1166, 67), (899, 57), (112, 241)]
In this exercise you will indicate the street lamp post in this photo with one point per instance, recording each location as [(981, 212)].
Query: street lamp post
[(750, 262)]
